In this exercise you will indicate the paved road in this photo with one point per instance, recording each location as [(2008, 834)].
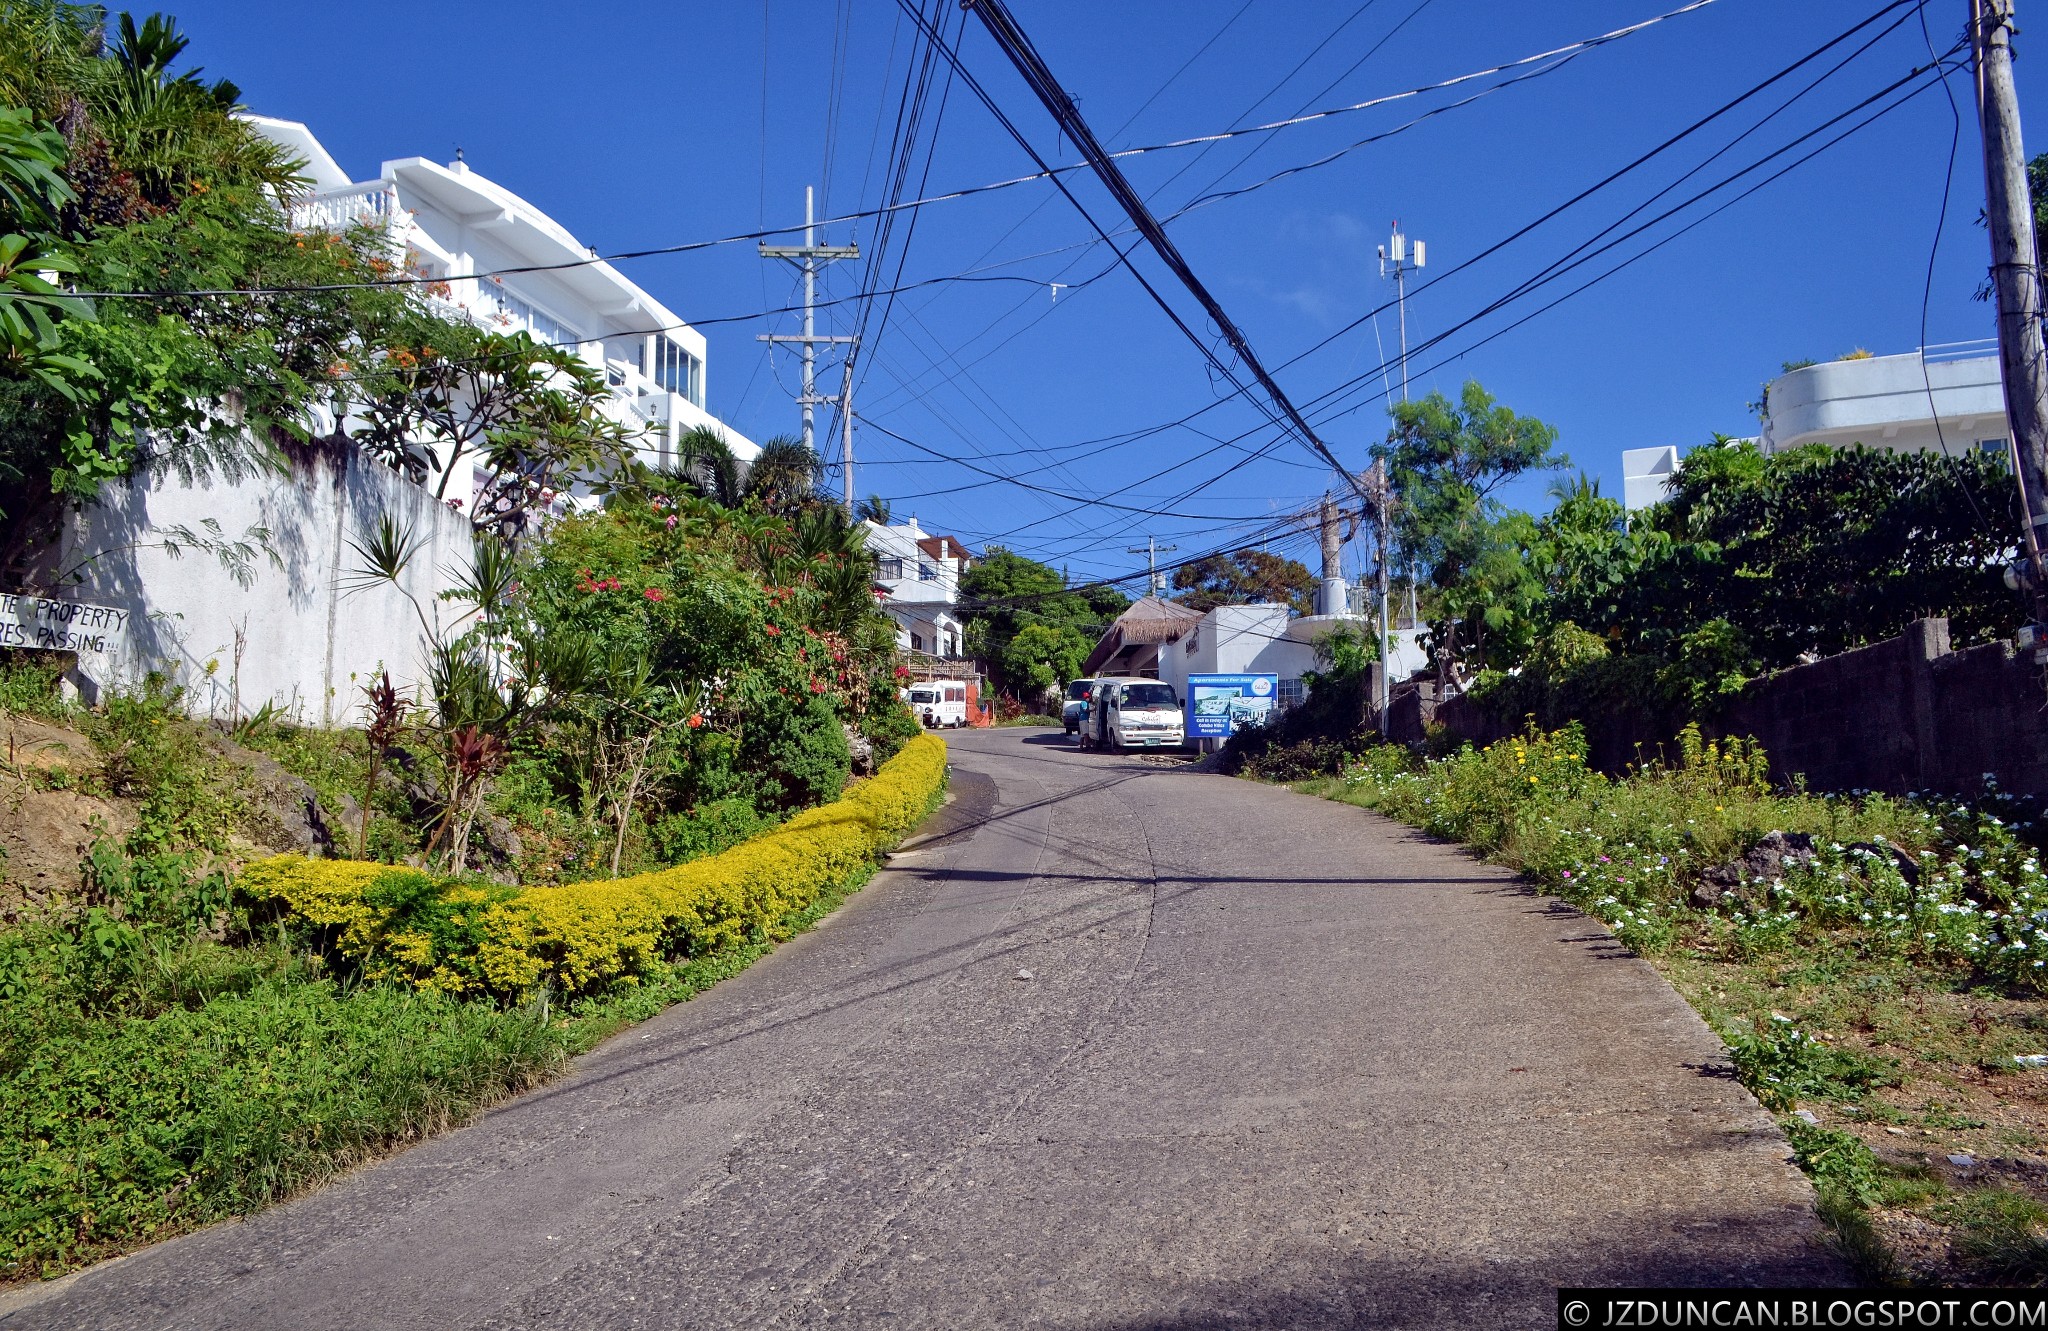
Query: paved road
[(1278, 1063)]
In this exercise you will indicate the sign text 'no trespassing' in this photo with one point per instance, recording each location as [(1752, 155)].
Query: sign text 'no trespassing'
[(50, 625)]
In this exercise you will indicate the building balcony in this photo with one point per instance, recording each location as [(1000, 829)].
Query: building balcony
[(375, 204)]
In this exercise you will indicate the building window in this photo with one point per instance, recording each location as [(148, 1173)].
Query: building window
[(1999, 449), (678, 371), (926, 573), (891, 569), (917, 642), (513, 310), (1291, 692)]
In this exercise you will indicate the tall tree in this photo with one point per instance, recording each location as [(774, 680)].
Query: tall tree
[(1005, 593), (784, 476), (1245, 577), (1446, 462)]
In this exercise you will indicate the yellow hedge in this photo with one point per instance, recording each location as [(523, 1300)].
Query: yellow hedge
[(465, 938)]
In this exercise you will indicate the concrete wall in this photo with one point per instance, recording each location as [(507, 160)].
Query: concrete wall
[(1889, 402), (1902, 715), (310, 640), (1908, 714)]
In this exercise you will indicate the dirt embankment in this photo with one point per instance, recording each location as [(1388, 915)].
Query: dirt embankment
[(54, 806)]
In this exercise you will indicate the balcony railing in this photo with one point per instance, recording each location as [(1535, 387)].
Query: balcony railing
[(345, 208)]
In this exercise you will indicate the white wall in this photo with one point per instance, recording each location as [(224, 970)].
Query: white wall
[(310, 641), (1889, 402)]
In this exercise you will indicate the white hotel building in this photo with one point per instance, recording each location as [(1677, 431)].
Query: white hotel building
[(454, 225)]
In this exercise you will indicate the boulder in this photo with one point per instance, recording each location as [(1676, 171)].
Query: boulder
[(1764, 863)]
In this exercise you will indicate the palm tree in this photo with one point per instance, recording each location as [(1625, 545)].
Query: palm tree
[(784, 477), (873, 509), (707, 463)]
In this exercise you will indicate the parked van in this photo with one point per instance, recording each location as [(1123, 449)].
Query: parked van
[(940, 703), (1076, 705), (1133, 714)]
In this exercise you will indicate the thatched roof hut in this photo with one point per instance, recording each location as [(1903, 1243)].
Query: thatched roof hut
[(1131, 646)]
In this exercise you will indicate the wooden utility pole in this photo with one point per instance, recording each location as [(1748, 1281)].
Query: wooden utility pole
[(2015, 276)]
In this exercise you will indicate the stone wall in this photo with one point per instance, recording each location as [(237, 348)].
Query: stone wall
[(1907, 714)]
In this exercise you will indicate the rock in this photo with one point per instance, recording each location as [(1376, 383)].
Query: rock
[(2031, 1060), (1961, 1161), (284, 812), (1896, 1132), (1807, 1115), (1742, 879), (861, 750), (1024, 975), (1908, 867)]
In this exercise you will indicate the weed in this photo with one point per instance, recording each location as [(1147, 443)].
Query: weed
[(2000, 1234), (1782, 1064)]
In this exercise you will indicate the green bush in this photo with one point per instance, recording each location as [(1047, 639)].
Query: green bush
[(589, 937), (116, 1129), (707, 829), (798, 754)]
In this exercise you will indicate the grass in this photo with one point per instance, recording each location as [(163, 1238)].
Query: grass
[(1883, 985), (155, 1077)]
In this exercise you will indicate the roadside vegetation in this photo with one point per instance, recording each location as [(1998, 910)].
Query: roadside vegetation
[(188, 1032), (1875, 964)]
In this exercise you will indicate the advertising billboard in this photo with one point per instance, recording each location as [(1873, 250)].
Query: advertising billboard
[(1219, 704)]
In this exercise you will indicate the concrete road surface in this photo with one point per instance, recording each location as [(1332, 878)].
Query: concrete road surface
[(1123, 1046)]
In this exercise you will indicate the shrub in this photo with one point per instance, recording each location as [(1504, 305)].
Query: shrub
[(582, 938), (708, 829), (800, 752)]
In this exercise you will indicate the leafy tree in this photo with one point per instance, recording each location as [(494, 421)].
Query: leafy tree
[(1043, 657), (1243, 578), (1005, 593), (1823, 550), (1445, 462), (444, 397)]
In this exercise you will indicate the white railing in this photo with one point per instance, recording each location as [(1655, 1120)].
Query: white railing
[(343, 209), (1968, 350)]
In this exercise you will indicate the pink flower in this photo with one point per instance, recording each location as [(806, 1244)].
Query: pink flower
[(656, 594), (671, 522)]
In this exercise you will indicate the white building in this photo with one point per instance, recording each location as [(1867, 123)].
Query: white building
[(1646, 475), (1948, 396), (919, 575), (1167, 641), (454, 225)]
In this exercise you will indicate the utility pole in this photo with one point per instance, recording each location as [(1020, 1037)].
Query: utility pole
[(1332, 599), (1376, 486), (2015, 277), (806, 257), (1397, 262), (1151, 549), (846, 434)]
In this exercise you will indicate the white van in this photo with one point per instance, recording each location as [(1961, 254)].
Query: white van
[(1133, 714), (1075, 705), (940, 703)]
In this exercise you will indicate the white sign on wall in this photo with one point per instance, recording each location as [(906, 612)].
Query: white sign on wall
[(48, 624)]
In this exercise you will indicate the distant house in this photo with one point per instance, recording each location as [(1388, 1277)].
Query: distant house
[(918, 576), (1949, 397)]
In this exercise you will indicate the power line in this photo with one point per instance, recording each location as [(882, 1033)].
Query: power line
[(1046, 173), (996, 17)]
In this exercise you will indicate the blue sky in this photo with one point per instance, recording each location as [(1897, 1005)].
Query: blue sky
[(639, 125)]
